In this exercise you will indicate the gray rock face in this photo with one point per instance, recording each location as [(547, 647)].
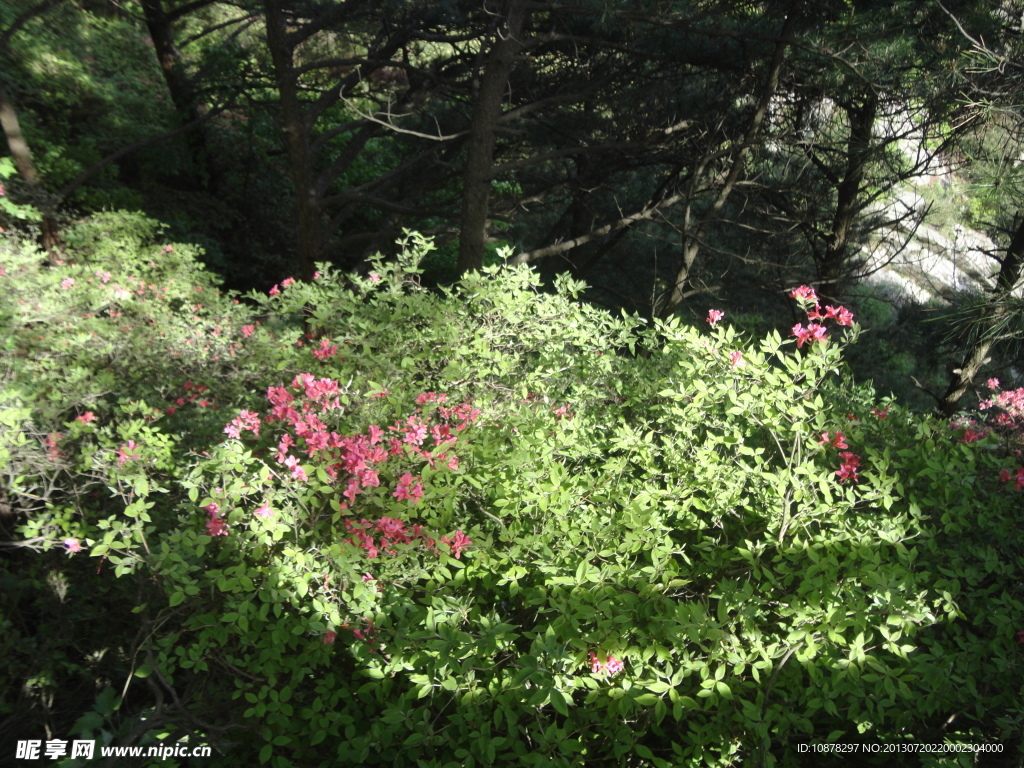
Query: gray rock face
[(916, 262)]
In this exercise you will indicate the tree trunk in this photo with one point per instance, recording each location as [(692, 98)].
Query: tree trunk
[(297, 141), (480, 155), (158, 22), (977, 354), (832, 265), (22, 157)]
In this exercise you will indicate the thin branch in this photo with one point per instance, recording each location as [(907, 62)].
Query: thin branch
[(392, 127)]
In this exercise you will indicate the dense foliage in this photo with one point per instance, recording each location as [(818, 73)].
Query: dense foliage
[(357, 522)]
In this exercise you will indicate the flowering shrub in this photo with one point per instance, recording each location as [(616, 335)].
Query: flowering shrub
[(475, 530)]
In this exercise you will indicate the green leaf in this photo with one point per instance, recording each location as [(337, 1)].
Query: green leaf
[(559, 703)]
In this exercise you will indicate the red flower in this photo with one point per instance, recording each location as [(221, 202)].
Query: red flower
[(812, 332), (612, 667), (457, 542), (803, 293), (216, 526)]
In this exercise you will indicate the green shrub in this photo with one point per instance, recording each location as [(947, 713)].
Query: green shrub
[(356, 522)]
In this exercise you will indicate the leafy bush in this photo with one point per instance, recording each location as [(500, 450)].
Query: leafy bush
[(356, 522)]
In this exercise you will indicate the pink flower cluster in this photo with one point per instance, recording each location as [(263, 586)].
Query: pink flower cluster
[(849, 463), (612, 667), (714, 315), (838, 441), (1007, 420), (367, 635), (193, 392), (216, 525), (390, 531), (458, 542), (51, 441), (406, 490), (815, 331), (1006, 475), (245, 421), (326, 351), (124, 453), (804, 294), (355, 461), (841, 315)]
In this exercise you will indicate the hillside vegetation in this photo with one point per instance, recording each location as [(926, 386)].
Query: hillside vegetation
[(356, 522)]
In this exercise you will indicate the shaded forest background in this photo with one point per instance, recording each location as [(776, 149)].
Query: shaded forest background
[(675, 156)]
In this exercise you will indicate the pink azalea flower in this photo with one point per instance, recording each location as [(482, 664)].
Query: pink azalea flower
[(838, 441), (736, 359), (247, 331), (326, 351), (849, 458), (803, 293), (812, 332), (73, 545), (287, 281), (274, 291), (458, 542), (216, 526), (124, 454), (971, 436), (714, 315), (263, 511), (86, 417), (298, 473), (430, 397), (612, 667), (847, 472), (406, 490), (67, 282), (844, 316), (374, 277), (329, 636)]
